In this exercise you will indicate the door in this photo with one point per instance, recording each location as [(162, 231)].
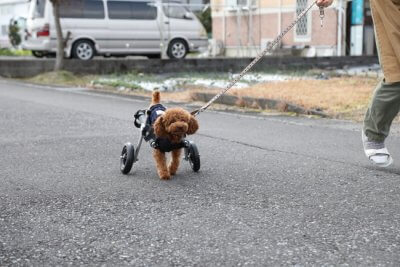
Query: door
[(133, 27), (84, 19)]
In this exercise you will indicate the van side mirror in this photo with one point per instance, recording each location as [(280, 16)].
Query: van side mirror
[(188, 15)]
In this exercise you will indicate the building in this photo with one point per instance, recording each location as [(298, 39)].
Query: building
[(243, 28), (10, 9)]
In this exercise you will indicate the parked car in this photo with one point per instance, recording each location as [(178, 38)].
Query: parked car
[(115, 28)]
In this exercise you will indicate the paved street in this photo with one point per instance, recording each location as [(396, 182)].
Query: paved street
[(272, 190)]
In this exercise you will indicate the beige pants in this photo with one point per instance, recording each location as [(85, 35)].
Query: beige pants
[(386, 16), (385, 103)]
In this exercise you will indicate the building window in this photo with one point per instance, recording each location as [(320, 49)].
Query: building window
[(241, 3), (303, 26)]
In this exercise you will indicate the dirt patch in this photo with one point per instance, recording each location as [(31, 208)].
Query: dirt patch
[(344, 97), (61, 78)]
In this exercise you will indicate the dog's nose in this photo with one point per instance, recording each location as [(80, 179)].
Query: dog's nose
[(181, 127)]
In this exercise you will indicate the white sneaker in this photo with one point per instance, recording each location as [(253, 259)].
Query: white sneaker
[(376, 152)]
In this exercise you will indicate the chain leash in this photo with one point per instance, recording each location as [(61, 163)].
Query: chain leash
[(267, 49)]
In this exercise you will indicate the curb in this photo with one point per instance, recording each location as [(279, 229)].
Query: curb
[(23, 68), (258, 103)]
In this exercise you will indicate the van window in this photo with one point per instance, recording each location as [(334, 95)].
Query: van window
[(87, 9), (38, 12), (173, 11), (131, 10)]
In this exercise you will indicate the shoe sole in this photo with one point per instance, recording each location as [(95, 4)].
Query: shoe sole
[(381, 165)]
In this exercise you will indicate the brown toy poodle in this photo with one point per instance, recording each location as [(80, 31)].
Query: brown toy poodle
[(170, 127)]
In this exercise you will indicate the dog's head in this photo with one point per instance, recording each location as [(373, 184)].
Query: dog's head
[(175, 123)]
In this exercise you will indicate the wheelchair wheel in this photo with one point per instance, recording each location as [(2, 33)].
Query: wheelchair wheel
[(127, 157), (193, 157)]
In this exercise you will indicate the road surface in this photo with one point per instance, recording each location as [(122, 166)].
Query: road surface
[(272, 190)]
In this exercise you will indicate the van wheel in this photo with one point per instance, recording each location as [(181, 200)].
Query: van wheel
[(151, 56), (177, 49), (83, 50), (38, 54), (50, 55)]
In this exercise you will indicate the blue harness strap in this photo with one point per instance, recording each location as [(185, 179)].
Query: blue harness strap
[(155, 111)]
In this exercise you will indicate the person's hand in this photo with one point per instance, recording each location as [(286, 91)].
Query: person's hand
[(324, 3)]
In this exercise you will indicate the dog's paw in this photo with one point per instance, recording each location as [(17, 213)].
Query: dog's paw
[(172, 170), (164, 174), (165, 177)]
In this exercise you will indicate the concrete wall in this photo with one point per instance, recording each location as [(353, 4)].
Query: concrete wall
[(22, 68)]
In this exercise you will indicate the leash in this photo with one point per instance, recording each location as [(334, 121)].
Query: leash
[(267, 49)]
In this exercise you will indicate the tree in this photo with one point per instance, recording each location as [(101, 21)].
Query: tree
[(61, 42), (205, 18)]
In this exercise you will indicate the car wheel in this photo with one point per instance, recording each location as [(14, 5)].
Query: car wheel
[(153, 56), (83, 50), (177, 49), (38, 54)]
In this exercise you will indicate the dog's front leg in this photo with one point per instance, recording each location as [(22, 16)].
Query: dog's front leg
[(173, 166), (161, 162)]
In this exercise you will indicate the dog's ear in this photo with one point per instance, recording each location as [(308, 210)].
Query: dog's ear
[(193, 125), (159, 128)]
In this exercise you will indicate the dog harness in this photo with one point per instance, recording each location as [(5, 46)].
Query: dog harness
[(160, 143), (164, 145), (154, 112)]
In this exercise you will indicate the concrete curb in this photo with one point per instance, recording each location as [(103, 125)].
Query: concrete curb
[(257, 103), (23, 68)]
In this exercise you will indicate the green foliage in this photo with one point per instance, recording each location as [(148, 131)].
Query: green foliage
[(205, 19), (8, 52), (13, 34)]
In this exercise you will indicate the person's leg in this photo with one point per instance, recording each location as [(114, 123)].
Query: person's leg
[(385, 103), (384, 106)]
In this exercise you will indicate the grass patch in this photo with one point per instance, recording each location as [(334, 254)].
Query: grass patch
[(345, 97), (61, 78), (10, 52), (116, 83)]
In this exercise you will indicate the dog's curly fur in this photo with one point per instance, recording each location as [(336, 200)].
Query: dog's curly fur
[(174, 125)]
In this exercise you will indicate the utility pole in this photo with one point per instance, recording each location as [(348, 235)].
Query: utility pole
[(357, 26), (163, 45)]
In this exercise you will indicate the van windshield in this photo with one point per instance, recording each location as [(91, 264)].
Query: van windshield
[(38, 8)]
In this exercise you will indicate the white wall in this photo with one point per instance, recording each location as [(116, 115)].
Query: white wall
[(8, 10)]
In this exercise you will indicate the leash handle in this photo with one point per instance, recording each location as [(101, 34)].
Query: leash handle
[(268, 48), (321, 15)]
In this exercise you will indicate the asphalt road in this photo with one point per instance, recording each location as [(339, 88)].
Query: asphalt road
[(272, 190)]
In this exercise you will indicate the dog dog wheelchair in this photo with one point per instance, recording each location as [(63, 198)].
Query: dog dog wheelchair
[(129, 155)]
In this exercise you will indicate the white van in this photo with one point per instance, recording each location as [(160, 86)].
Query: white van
[(115, 28)]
